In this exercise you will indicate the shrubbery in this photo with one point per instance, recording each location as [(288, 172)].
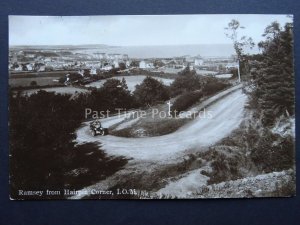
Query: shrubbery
[(224, 167), (41, 132), (150, 91), (187, 80), (252, 149), (113, 95), (213, 85), (210, 86), (273, 74), (186, 100), (88, 164), (269, 157), (42, 146)]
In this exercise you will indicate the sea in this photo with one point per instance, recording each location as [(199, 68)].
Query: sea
[(154, 51)]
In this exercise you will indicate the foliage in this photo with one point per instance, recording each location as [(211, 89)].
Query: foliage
[(43, 154), (86, 73), (223, 168), (213, 85), (134, 63), (239, 43), (151, 91), (187, 80), (41, 132), (271, 153), (122, 66), (113, 95), (273, 76), (88, 164), (33, 83), (251, 149), (158, 63), (210, 86), (186, 100)]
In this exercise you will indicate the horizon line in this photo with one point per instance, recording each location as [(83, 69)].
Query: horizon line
[(21, 45)]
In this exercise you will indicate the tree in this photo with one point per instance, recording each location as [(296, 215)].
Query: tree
[(273, 76), (122, 66), (187, 80), (124, 84), (232, 32), (134, 64), (158, 63), (43, 153), (33, 83), (41, 134), (271, 33), (239, 43), (150, 91), (87, 72), (114, 94)]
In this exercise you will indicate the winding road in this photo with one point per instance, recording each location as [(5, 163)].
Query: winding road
[(226, 115)]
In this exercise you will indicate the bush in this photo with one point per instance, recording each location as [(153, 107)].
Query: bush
[(184, 101), (187, 80), (214, 85), (41, 133), (224, 168), (112, 96), (43, 154), (33, 83), (269, 157), (88, 165), (150, 91), (42, 147)]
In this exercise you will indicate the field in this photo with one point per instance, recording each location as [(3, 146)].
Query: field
[(205, 72), (61, 90), (131, 81), (28, 74), (226, 75), (25, 82)]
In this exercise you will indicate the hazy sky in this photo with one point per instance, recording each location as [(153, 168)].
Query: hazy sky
[(133, 30)]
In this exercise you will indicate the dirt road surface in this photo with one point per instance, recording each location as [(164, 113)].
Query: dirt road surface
[(227, 113), (151, 154)]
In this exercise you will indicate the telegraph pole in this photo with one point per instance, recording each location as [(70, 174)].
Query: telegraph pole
[(239, 75), (169, 104)]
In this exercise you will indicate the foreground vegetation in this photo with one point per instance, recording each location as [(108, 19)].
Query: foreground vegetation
[(42, 152), (42, 133)]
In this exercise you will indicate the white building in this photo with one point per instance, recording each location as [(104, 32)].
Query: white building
[(116, 63), (29, 67), (232, 66), (107, 68), (93, 71), (199, 61), (127, 63), (30, 55), (145, 65)]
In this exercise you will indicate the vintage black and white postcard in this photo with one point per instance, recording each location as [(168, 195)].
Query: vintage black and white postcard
[(151, 107)]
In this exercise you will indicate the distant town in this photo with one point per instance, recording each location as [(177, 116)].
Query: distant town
[(89, 63)]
